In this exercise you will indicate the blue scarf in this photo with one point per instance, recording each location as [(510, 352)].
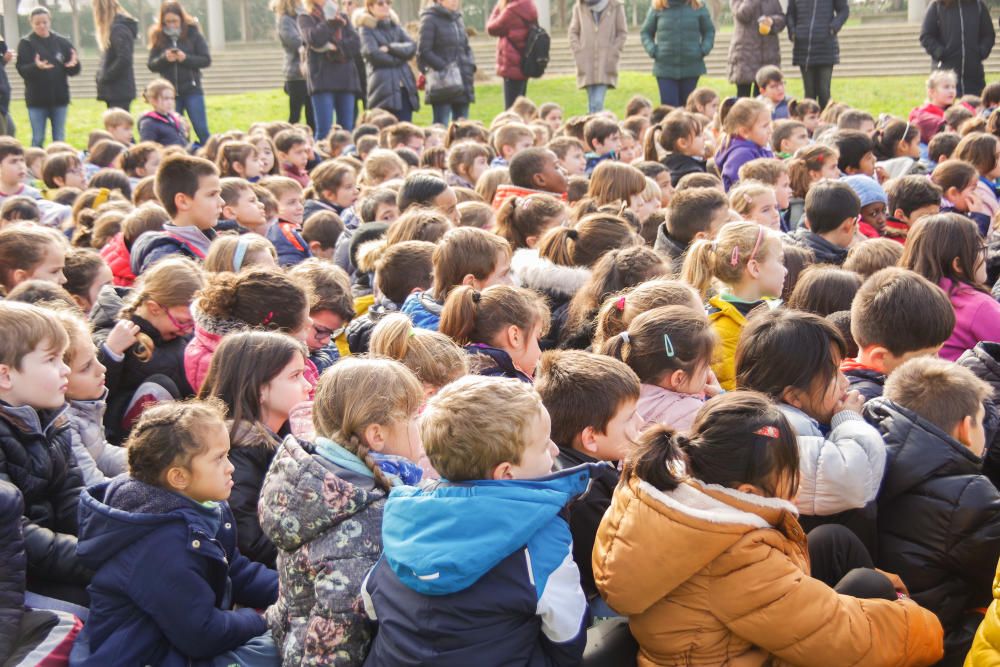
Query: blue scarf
[(399, 470)]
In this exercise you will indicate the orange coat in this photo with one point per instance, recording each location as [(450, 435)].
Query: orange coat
[(712, 576)]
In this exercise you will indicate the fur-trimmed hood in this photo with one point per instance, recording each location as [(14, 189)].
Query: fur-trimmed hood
[(540, 274), (362, 18)]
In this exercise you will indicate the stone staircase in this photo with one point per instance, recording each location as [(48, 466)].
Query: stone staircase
[(866, 50)]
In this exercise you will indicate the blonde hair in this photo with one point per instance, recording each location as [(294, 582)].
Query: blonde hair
[(940, 76), (510, 134), (24, 246), (618, 310), (743, 194), (77, 331), (378, 166), (23, 327), (433, 357), (170, 282), (222, 254), (653, 192), (356, 393), (470, 316), (462, 435), (155, 88), (490, 181), (742, 116), (104, 16), (726, 257)]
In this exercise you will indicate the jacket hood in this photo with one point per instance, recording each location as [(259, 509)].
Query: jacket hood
[(917, 449), (92, 411), (110, 301), (440, 11), (128, 22), (984, 360), (312, 496), (214, 326), (120, 512), (539, 273), (735, 144), (437, 543)]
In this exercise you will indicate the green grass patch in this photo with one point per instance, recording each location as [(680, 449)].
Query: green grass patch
[(894, 95)]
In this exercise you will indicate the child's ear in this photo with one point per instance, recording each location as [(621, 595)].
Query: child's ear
[(328, 194), (177, 478), (181, 201), (469, 279), (588, 439), (538, 180), (20, 275), (503, 471), (677, 378), (952, 193), (963, 431), (847, 226), (899, 214), (794, 396), (514, 336), (374, 437), (957, 266), (227, 212), (80, 302), (5, 380), (315, 248), (59, 181)]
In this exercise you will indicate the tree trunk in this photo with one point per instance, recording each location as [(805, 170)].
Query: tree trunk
[(75, 9), (244, 29)]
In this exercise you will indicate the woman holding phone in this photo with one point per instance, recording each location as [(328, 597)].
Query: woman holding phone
[(331, 75), (178, 52)]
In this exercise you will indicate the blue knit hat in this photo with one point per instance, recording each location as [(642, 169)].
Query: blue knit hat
[(867, 189)]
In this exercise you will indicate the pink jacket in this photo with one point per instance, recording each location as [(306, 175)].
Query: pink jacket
[(198, 356), (977, 318), (669, 408)]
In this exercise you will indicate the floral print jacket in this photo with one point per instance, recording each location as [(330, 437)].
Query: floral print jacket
[(326, 521)]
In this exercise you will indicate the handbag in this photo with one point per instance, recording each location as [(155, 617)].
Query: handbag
[(444, 85)]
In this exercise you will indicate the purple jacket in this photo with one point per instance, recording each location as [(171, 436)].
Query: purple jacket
[(977, 319), (734, 155)]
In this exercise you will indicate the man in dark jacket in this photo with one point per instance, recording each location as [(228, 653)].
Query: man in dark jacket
[(45, 60), (813, 26), (938, 517), (958, 35)]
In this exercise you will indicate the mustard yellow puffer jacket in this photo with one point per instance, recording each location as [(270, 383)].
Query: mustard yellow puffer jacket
[(985, 650)]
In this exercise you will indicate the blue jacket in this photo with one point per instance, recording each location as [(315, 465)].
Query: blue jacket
[(164, 130), (168, 572), (153, 246), (452, 589), (734, 155), (494, 362), (287, 240), (423, 310)]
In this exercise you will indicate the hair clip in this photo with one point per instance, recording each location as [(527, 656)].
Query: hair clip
[(241, 250), (267, 320), (620, 304), (476, 296), (101, 198), (624, 336), (668, 346), (747, 198), (734, 259), (768, 432)]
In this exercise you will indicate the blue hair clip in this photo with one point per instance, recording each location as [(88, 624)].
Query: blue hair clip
[(668, 346), (241, 251)]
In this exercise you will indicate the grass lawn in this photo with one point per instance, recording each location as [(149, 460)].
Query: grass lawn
[(894, 95)]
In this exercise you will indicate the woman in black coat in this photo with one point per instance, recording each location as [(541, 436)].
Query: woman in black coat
[(388, 50), (116, 32), (443, 42), (959, 35), (178, 53), (46, 60), (331, 75), (813, 26)]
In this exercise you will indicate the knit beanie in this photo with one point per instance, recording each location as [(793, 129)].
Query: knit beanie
[(867, 189)]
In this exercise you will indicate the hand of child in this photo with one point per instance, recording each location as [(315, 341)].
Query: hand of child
[(975, 203), (384, 49), (897, 583), (712, 387), (122, 337), (853, 401), (7, 57), (881, 175)]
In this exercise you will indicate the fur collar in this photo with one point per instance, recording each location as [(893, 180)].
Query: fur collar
[(213, 325), (540, 274), (690, 498), (362, 18)]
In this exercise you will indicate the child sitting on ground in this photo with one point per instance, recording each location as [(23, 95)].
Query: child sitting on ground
[(498, 469), (896, 315), (681, 136), (510, 140), (284, 233), (169, 516), (939, 517), (909, 198), (832, 210), (694, 214), (872, 218), (331, 308), (591, 401), (603, 137), (788, 137), (748, 133), (532, 171), (162, 124)]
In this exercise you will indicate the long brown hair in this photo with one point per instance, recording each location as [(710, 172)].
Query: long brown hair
[(104, 15), (157, 39), (587, 241), (470, 316), (935, 243)]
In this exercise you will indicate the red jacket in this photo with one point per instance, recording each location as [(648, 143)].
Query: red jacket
[(507, 190), (119, 259), (511, 24)]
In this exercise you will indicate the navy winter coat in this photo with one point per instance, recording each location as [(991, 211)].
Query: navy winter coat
[(167, 574), (443, 41), (389, 73), (813, 26), (186, 76), (959, 36), (330, 70), (164, 130), (115, 74), (12, 567)]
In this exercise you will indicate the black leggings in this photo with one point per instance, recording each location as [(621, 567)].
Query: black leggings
[(839, 559), (512, 89), (298, 97), (747, 90)]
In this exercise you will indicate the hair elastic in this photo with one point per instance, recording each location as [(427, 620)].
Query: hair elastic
[(624, 336), (668, 346), (267, 320), (241, 252), (476, 296), (572, 234), (620, 304)]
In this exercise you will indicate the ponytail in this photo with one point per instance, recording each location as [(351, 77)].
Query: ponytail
[(557, 245), (610, 320), (697, 269), (649, 150), (433, 357), (470, 316), (458, 317), (657, 458)]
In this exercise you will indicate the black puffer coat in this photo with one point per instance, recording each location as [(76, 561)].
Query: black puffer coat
[(389, 73), (46, 87), (984, 361), (186, 76), (938, 520), (959, 36), (36, 457), (251, 454), (443, 41), (327, 69), (813, 26), (115, 74), (12, 567)]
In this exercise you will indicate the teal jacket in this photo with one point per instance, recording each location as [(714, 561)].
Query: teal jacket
[(668, 35)]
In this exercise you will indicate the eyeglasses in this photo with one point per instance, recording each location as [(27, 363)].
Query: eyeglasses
[(322, 333), (183, 327)]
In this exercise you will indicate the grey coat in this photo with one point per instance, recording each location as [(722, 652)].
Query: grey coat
[(291, 40), (328, 69), (98, 459), (443, 41), (389, 73), (749, 50), (597, 47)]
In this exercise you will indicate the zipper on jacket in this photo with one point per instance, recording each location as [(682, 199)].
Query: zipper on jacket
[(812, 25), (961, 28)]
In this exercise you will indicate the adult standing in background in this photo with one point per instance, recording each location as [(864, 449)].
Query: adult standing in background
[(755, 42), (178, 52), (332, 79), (46, 60), (813, 26), (442, 52), (388, 50), (597, 34), (959, 35), (6, 122), (677, 35), (286, 15), (511, 20), (116, 32)]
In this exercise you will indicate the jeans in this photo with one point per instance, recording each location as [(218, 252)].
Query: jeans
[(325, 104), (747, 90), (676, 91), (298, 97), (595, 97), (38, 116), (194, 105), (839, 559), (513, 89), (445, 113), (816, 81)]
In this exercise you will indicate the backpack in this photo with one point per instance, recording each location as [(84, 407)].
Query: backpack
[(535, 58)]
